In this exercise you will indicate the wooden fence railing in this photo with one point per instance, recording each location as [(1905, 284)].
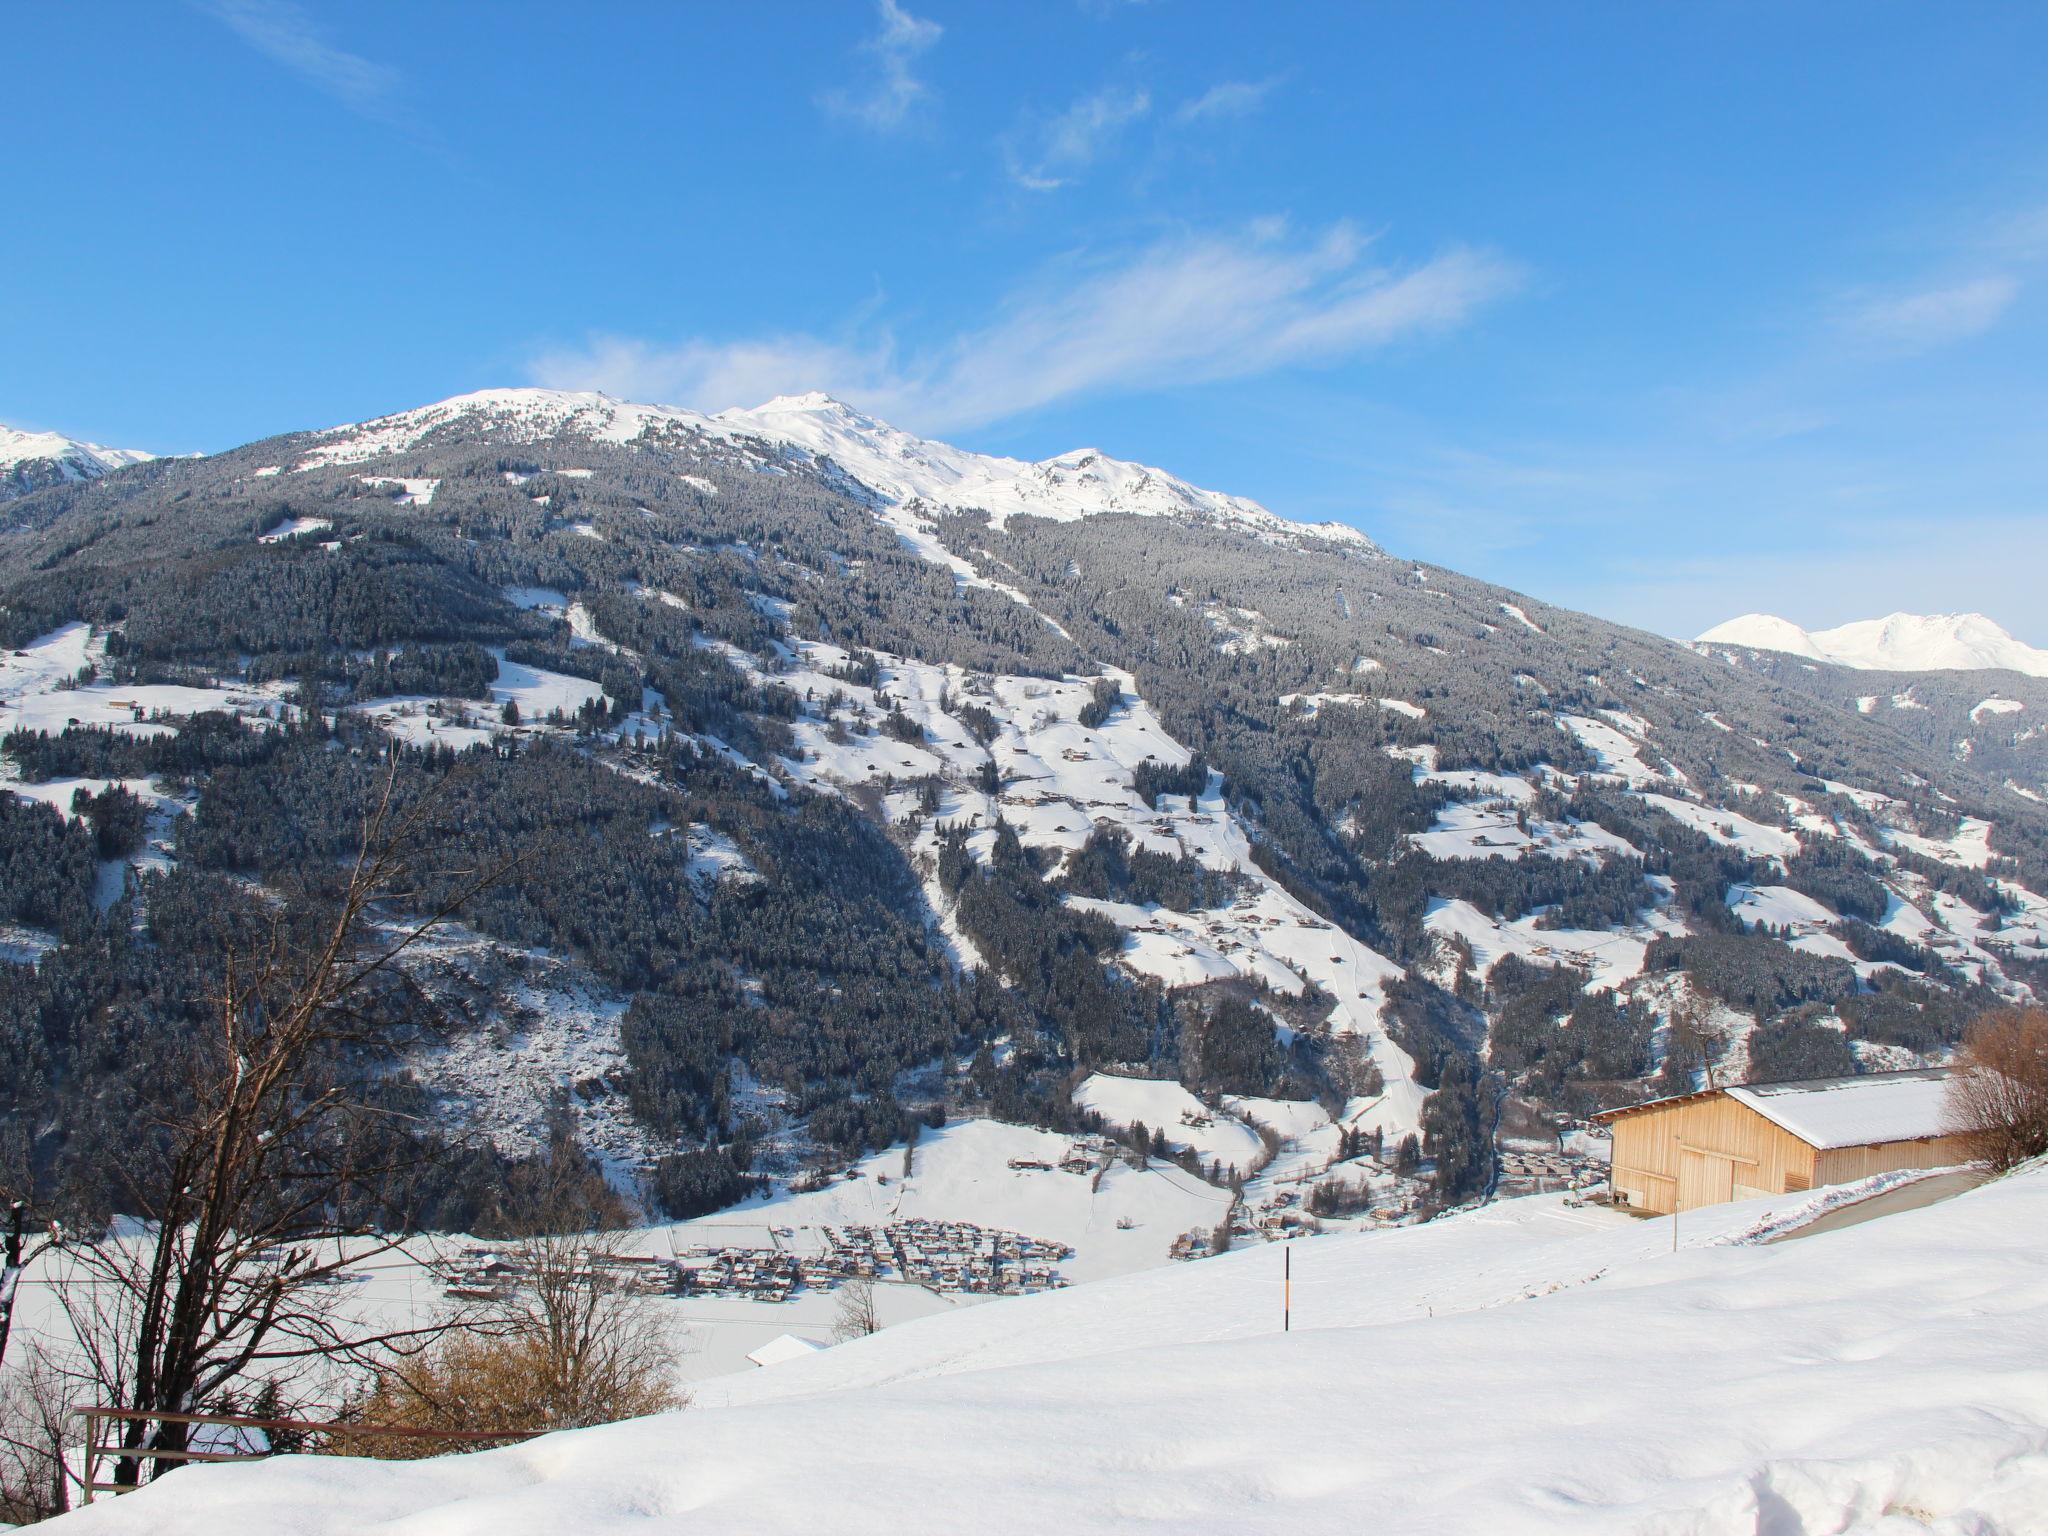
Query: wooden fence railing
[(98, 1417)]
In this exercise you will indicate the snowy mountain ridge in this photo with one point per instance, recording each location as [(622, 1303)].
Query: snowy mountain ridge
[(906, 470), (896, 468), (1899, 642), (29, 461)]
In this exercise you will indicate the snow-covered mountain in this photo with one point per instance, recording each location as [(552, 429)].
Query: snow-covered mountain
[(29, 461), (946, 854), (1899, 642), (906, 474)]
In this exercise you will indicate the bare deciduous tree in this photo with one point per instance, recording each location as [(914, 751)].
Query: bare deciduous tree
[(262, 1180), (1997, 1098), (1696, 1040), (856, 1317)]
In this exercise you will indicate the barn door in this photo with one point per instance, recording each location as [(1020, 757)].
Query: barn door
[(1703, 1180)]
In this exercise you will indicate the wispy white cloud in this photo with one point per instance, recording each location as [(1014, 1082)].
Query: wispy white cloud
[(1933, 317), (283, 31), (1232, 98), (886, 101), (1046, 155), (2023, 235), (1180, 311), (712, 375)]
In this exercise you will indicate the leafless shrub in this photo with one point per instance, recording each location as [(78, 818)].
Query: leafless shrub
[(573, 1342), (35, 1405), (572, 1345), (1997, 1097)]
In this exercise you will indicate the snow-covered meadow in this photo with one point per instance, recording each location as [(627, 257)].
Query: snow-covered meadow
[(1527, 1368)]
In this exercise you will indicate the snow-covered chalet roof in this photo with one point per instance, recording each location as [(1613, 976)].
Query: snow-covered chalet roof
[(1854, 1111)]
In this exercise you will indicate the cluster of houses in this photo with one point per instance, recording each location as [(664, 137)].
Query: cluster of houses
[(955, 1255), (940, 1255), (476, 1273), (1523, 1171), (759, 1274)]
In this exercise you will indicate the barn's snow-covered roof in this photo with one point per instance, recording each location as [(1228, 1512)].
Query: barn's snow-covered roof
[(786, 1346), (1853, 1111)]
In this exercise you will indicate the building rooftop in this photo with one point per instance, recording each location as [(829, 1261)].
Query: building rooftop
[(784, 1346), (1855, 1111), (1828, 1112)]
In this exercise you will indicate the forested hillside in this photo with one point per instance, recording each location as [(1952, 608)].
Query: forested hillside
[(834, 807)]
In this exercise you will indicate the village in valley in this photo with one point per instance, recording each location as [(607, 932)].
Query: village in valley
[(942, 1256)]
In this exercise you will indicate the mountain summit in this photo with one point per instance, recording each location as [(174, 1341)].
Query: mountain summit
[(906, 470), (1899, 642), (890, 466), (29, 461)]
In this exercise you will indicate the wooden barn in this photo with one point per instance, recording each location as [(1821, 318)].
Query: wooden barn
[(1767, 1138)]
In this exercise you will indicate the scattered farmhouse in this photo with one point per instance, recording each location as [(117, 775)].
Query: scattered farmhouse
[(1767, 1138)]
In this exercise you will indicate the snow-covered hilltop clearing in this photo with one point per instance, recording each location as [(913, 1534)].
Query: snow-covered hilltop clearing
[(29, 461), (1899, 642), (1528, 1368)]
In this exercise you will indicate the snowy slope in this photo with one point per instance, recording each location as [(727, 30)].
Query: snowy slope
[(1060, 781), (31, 460), (1529, 1368), (1900, 642)]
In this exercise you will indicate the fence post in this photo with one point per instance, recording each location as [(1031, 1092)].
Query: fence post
[(92, 1450)]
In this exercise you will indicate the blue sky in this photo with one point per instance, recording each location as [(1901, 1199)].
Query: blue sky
[(1664, 312)]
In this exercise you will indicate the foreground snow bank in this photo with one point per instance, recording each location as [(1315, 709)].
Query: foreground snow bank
[(1563, 1373)]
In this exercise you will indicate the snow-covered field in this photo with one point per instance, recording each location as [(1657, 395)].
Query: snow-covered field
[(1175, 1113), (1729, 828), (1611, 957), (37, 692), (1526, 1368)]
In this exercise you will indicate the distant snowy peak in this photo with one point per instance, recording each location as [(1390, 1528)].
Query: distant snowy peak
[(1900, 642), (906, 470), (30, 461), (897, 469), (1764, 632)]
